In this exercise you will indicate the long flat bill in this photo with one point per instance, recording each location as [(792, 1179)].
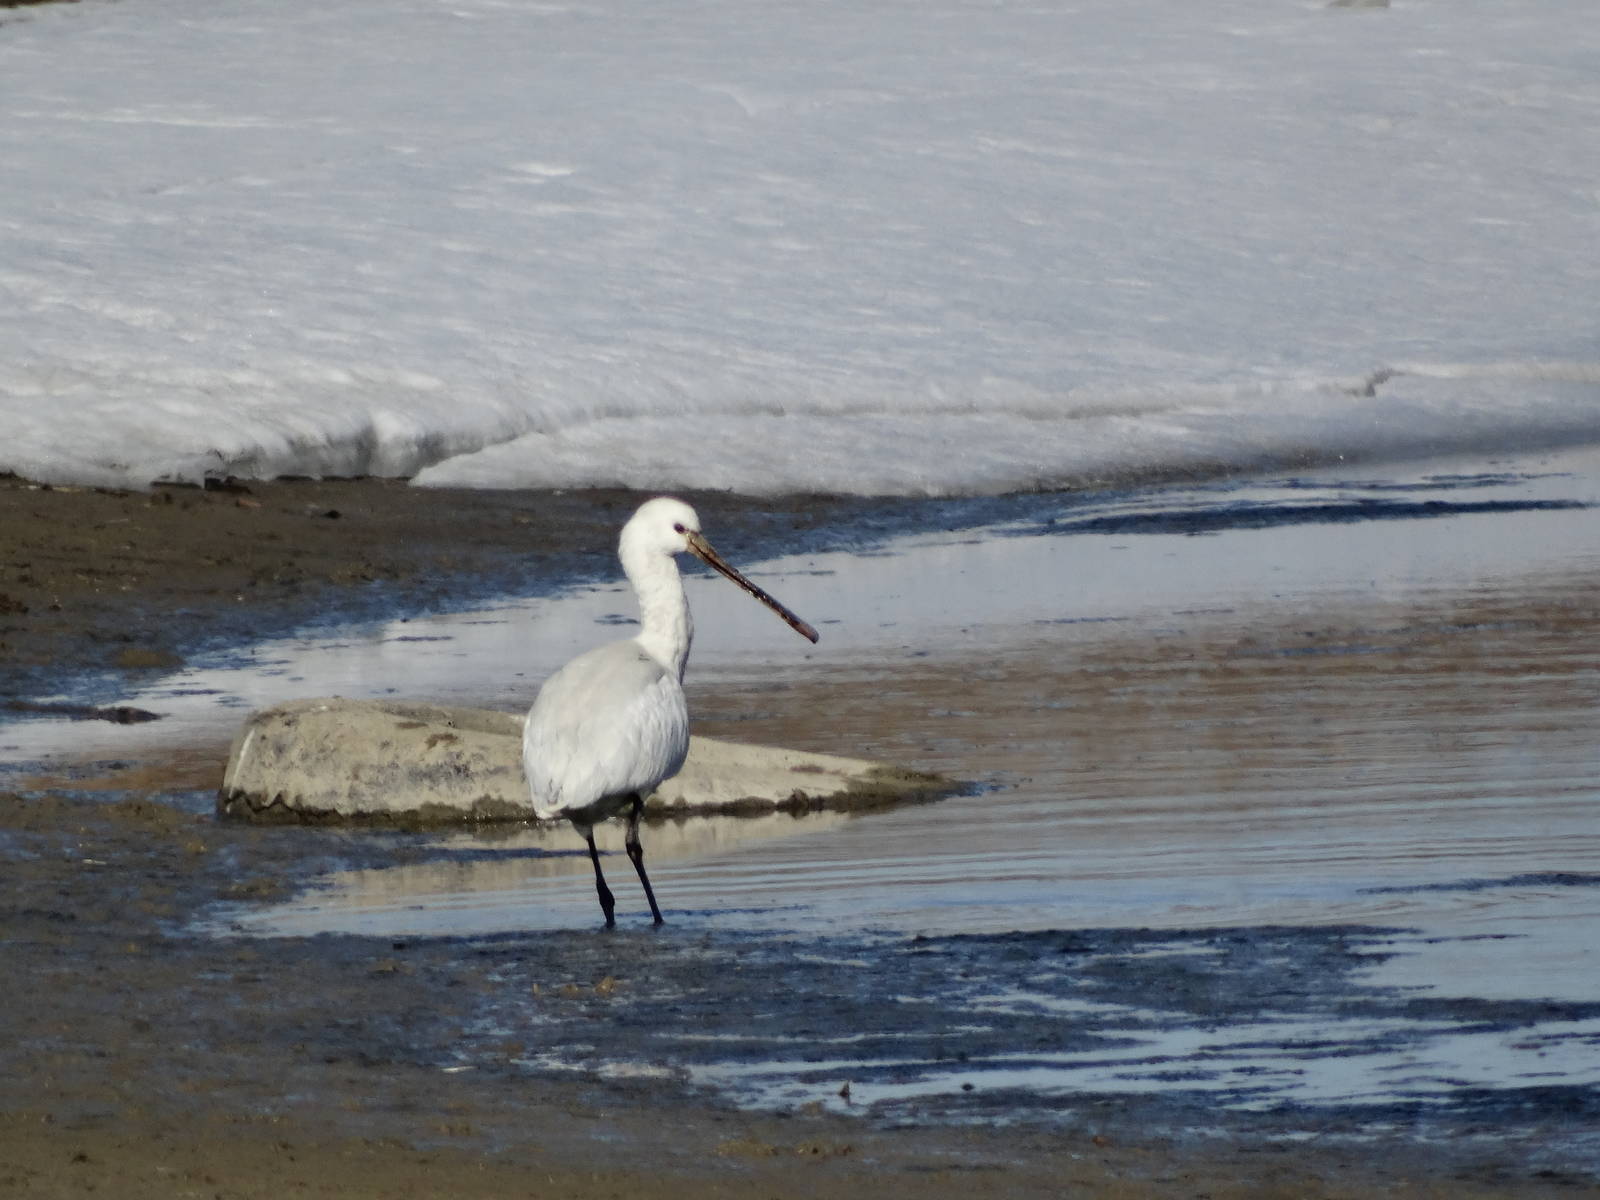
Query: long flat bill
[(702, 550)]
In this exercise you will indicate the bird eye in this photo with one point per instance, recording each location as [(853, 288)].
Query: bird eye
[(677, 529)]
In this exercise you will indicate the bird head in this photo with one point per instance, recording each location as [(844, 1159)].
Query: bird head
[(669, 526), (664, 525)]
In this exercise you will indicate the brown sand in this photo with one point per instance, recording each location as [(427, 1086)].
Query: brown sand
[(138, 1061)]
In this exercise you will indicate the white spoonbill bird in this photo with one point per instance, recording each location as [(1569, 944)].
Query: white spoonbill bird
[(609, 726)]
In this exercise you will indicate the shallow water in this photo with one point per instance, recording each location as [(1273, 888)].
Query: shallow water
[(1347, 720), (1288, 722)]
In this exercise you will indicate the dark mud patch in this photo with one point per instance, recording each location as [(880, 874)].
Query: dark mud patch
[(1226, 515), (116, 714), (1133, 1028), (1537, 879)]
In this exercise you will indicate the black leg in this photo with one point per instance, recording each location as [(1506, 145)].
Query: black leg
[(636, 852), (608, 904)]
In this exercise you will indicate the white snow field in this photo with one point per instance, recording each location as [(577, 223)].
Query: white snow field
[(864, 246)]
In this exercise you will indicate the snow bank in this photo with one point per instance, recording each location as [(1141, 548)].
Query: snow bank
[(838, 245)]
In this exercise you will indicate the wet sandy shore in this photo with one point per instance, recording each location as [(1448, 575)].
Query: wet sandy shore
[(143, 1061), (98, 580)]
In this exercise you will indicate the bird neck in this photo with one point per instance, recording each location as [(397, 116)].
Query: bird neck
[(666, 627)]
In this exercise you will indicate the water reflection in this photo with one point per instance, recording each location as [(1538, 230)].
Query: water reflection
[(480, 883), (1347, 766)]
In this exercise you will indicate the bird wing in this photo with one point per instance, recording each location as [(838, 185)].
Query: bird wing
[(610, 723)]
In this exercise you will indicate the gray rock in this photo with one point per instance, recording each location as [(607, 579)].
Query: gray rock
[(411, 764)]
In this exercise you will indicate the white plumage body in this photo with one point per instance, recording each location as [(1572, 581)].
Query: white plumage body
[(611, 723), (608, 727)]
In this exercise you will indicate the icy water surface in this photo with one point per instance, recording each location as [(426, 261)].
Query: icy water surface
[(1285, 800)]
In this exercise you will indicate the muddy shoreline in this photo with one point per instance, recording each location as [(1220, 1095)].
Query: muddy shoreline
[(145, 1060), (99, 585)]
